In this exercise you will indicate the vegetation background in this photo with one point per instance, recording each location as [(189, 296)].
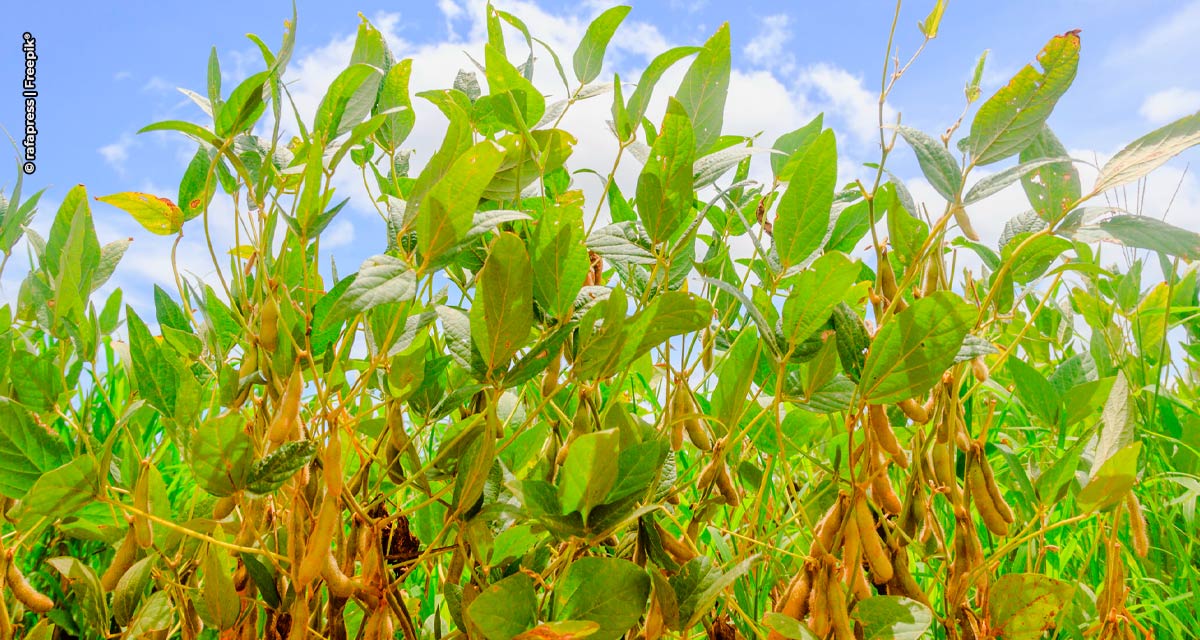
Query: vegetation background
[(709, 367)]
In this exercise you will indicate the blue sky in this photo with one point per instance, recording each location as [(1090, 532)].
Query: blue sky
[(107, 69)]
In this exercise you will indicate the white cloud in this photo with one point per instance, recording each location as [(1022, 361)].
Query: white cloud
[(451, 11), (1169, 45), (117, 153), (766, 48), (843, 96), (1170, 104)]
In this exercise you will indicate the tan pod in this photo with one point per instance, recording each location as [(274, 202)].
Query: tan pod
[(23, 591), (123, 559), (872, 544), (141, 502), (881, 428)]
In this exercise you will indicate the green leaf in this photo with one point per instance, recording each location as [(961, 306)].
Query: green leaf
[(892, 618), (589, 56), (347, 102), (130, 588), (640, 99), (506, 608), (793, 145), (381, 279), (733, 382), (668, 315), (156, 377), (88, 604), (664, 189), (26, 451), (156, 614), (393, 94), (938, 165), (220, 598), (1143, 232), (623, 242), (910, 352), (787, 626), (804, 210), (502, 314), (198, 185), (589, 471), (272, 471), (997, 182), (1014, 116), (1115, 477), (698, 585), (559, 257), (61, 492), (155, 214), (221, 455), (608, 591), (243, 107), (815, 293), (1052, 188), (503, 77), (1116, 423), (446, 215), (1023, 606), (705, 86), (1039, 397), (852, 340), (263, 578), (1149, 152)]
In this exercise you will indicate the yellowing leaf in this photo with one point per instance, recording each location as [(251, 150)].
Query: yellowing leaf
[(157, 215)]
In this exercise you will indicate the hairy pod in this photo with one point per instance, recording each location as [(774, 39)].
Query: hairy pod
[(550, 375), (684, 408), (851, 546), (679, 550), (914, 410), (964, 223), (331, 461), (859, 587), (123, 559), (943, 467), (249, 365), (931, 281), (888, 287), (223, 507), (319, 542), (300, 615), (653, 629), (979, 369), (285, 425), (839, 613), (827, 529), (885, 496), (993, 489), (268, 329), (872, 544), (794, 602), (818, 609), (339, 583), (141, 502), (903, 583), (1137, 526), (726, 486), (23, 591), (913, 513), (977, 487), (881, 428)]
